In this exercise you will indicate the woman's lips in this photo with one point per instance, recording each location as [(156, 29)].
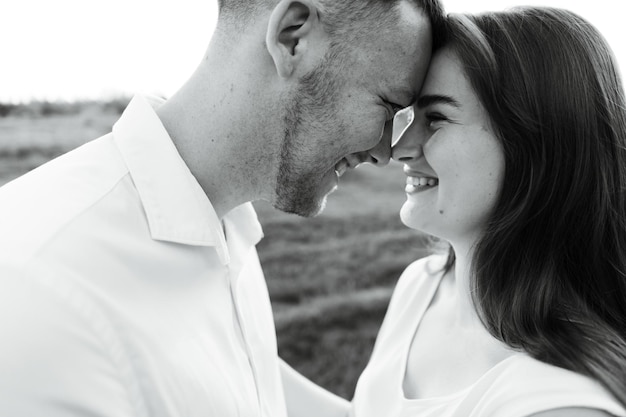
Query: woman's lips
[(419, 183)]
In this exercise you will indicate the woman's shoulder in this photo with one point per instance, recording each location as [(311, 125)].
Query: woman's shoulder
[(525, 386), (427, 266), (572, 412), (525, 372), (419, 279), (422, 270)]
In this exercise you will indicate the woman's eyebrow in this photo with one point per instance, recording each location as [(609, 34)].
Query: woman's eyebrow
[(428, 100)]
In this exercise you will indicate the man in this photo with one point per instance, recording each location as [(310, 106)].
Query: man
[(130, 285)]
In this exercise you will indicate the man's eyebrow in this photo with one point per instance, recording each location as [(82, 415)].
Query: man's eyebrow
[(428, 100)]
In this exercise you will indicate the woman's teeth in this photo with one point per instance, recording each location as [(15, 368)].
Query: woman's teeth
[(416, 183)]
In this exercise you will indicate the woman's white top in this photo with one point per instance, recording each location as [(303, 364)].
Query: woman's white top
[(518, 386)]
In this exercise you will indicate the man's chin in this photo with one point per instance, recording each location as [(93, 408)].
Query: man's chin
[(319, 208), (310, 208)]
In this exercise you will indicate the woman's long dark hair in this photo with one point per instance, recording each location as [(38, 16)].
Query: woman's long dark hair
[(549, 274)]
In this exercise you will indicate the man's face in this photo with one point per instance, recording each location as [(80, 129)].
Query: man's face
[(343, 109)]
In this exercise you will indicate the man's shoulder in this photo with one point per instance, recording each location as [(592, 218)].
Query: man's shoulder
[(39, 204), (94, 164)]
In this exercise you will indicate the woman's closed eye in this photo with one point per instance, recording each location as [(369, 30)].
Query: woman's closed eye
[(435, 119)]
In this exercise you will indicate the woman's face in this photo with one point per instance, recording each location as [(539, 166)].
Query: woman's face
[(453, 161)]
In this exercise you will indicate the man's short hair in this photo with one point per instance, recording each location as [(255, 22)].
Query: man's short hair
[(344, 19)]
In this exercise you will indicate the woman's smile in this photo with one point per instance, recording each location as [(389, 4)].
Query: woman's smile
[(417, 181), (416, 184)]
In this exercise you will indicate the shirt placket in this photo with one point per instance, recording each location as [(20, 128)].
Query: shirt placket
[(242, 330)]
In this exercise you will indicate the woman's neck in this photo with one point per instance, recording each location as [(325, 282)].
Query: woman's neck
[(465, 312), (458, 279)]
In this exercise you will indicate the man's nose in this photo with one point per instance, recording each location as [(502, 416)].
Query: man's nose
[(381, 153)]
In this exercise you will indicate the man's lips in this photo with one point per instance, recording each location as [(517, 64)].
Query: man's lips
[(351, 161), (341, 167)]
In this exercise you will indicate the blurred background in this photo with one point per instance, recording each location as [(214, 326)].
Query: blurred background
[(68, 69)]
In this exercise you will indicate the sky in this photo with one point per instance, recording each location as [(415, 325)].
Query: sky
[(78, 49)]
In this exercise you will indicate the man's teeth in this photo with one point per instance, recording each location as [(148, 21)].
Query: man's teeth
[(341, 167), (414, 183)]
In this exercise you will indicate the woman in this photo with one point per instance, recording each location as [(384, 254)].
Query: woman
[(517, 158)]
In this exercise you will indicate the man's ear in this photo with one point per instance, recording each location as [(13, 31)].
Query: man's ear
[(290, 23)]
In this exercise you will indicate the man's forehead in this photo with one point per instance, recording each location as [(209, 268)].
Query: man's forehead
[(410, 71), (418, 44), (411, 15), (406, 94), (411, 36)]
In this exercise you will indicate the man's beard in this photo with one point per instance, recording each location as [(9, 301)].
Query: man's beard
[(310, 111)]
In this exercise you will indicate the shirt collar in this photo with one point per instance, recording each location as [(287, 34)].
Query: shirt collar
[(176, 207)]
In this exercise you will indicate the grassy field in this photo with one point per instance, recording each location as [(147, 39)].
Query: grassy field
[(330, 277)]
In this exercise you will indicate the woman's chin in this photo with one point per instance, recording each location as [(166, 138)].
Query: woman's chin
[(412, 216)]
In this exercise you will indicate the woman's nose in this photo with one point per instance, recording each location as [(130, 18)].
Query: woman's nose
[(408, 146)]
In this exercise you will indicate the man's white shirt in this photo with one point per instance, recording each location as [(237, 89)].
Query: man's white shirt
[(121, 292)]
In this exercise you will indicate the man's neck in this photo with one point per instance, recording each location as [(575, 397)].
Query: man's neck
[(215, 124)]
